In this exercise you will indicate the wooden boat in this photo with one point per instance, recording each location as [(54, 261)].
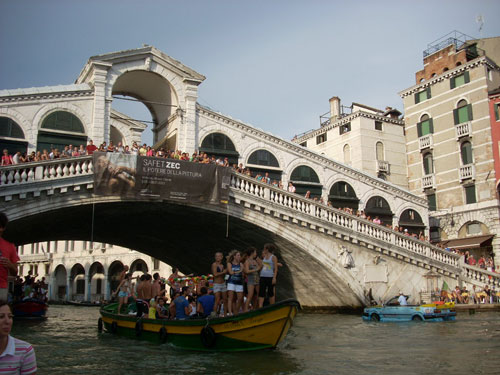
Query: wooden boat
[(253, 330), (83, 304), (29, 308)]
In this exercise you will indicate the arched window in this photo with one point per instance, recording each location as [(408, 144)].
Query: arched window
[(466, 152), (343, 195), (463, 112), (428, 164), (262, 161), (378, 206), (411, 220), (347, 154), (380, 151), (220, 145), (306, 179), (60, 129), (12, 136), (425, 126)]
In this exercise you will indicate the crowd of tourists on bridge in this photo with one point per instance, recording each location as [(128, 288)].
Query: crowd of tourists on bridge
[(238, 282)]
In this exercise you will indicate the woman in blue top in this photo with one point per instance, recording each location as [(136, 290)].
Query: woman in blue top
[(235, 282)]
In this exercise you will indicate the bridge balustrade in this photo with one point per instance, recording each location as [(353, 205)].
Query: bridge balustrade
[(68, 168)]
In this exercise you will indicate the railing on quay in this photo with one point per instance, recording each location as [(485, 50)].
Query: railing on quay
[(476, 274)]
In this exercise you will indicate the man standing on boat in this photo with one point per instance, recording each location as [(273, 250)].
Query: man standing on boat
[(8, 259)]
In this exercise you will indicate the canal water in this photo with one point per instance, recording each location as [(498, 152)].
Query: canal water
[(68, 343)]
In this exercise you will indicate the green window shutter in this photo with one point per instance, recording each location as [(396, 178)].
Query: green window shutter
[(466, 77), (419, 129), (497, 115), (431, 126), (428, 92), (455, 115), (469, 110), (452, 83), (417, 98)]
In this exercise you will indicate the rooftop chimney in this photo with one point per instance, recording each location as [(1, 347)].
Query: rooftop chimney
[(335, 108)]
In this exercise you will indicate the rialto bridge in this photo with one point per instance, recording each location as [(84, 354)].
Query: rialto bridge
[(54, 200)]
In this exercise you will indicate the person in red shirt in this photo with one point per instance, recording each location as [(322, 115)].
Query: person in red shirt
[(8, 259), (6, 158), (91, 147)]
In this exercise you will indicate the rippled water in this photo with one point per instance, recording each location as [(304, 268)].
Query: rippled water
[(68, 343)]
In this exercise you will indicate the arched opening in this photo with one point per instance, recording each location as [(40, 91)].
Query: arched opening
[(116, 137), (114, 272), (77, 284), (411, 220), (59, 291), (138, 267), (428, 164), (60, 129), (221, 146), (466, 153), (305, 179), (96, 278), (12, 136), (146, 102), (342, 195), (378, 206), (262, 161)]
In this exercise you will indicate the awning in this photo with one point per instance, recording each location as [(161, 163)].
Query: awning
[(469, 242)]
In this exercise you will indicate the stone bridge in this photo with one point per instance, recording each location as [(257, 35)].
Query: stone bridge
[(54, 200)]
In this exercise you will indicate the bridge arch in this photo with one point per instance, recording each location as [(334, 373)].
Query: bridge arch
[(219, 144), (305, 178), (379, 206), (12, 136), (411, 220), (20, 120), (343, 195), (261, 160)]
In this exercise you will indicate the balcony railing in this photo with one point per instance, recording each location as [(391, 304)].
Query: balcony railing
[(428, 181), (463, 130), (383, 166), (467, 172), (425, 142)]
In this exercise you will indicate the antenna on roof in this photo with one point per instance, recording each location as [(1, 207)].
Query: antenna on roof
[(480, 22)]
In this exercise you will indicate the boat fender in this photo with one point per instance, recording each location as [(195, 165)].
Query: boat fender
[(114, 327), (208, 337), (138, 328), (163, 335), (99, 325)]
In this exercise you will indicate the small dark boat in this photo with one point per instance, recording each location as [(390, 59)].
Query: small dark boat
[(30, 308), (258, 329), (85, 304)]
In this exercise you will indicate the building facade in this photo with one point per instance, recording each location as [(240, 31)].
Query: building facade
[(449, 142), (83, 270)]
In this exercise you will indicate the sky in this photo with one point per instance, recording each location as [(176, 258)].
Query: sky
[(271, 64)]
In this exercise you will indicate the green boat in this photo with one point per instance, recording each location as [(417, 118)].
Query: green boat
[(258, 329)]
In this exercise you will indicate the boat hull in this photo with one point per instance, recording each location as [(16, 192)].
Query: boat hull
[(29, 309), (259, 329)]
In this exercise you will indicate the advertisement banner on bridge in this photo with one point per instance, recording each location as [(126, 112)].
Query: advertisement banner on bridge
[(144, 176)]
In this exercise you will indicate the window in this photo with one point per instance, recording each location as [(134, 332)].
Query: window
[(470, 194), (466, 152), (219, 145), (474, 228), (304, 173), (423, 95), (347, 154), (345, 128), (380, 151), (156, 264), (304, 144), (9, 128), (463, 112), (263, 157), (428, 164), (497, 111), (431, 201), (321, 138), (63, 121), (425, 126), (378, 125), (460, 80)]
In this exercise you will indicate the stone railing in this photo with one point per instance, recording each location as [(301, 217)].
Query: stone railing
[(463, 129), (19, 174), (479, 276), (428, 181), (425, 141), (467, 171), (340, 218)]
